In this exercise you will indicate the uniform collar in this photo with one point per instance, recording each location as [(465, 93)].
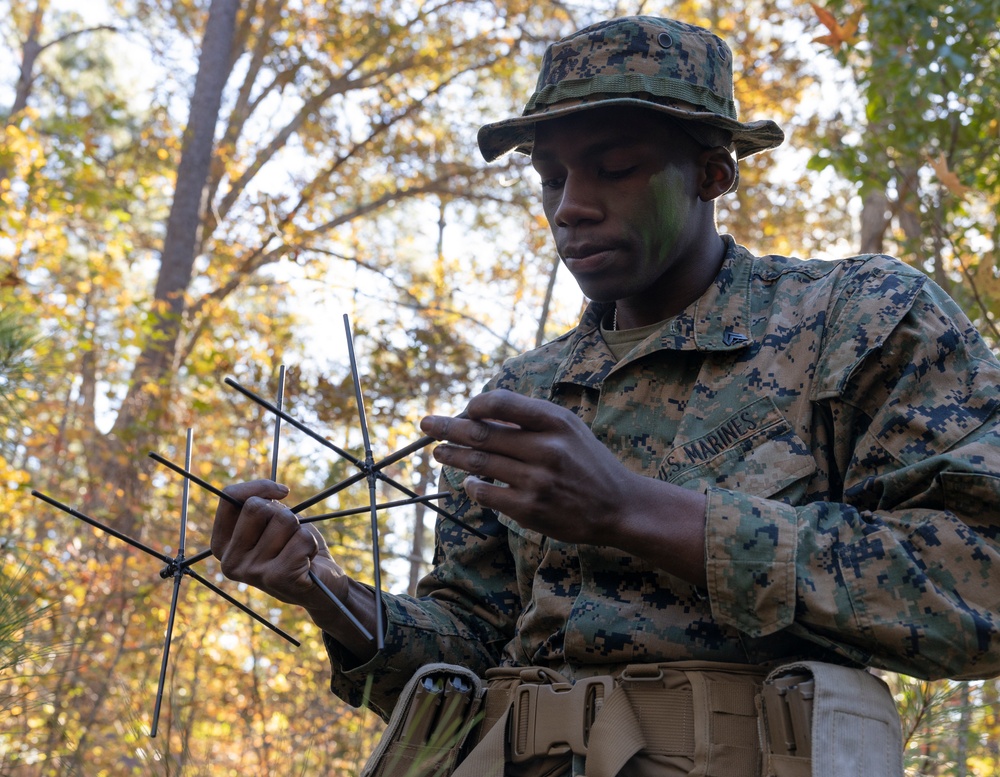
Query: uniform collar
[(719, 320)]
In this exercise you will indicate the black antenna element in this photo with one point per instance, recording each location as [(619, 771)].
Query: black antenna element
[(274, 476), (368, 469), (277, 424), (176, 568), (378, 466), (171, 563), (178, 574)]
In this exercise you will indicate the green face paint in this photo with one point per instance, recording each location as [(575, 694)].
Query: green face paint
[(667, 214)]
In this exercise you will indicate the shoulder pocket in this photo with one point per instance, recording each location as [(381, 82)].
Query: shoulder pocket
[(754, 451)]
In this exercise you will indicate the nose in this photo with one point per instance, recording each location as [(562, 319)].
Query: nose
[(579, 201)]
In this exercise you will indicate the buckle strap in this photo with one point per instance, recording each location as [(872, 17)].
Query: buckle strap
[(695, 710), (555, 719), (488, 756), (641, 714), (703, 712)]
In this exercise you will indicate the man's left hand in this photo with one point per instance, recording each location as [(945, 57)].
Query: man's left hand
[(559, 480), (553, 476)]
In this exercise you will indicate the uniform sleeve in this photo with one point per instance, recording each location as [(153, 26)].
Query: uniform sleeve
[(463, 614), (900, 568)]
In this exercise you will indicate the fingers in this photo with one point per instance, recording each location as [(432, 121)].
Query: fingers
[(227, 515), (263, 528), (527, 413), (264, 544), (505, 437), (510, 501), (488, 465), (498, 422), (498, 408)]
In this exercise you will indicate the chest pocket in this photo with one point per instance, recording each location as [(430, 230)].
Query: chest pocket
[(529, 536), (754, 451)]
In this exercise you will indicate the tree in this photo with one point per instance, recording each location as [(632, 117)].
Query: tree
[(278, 164), (924, 157), (117, 346)]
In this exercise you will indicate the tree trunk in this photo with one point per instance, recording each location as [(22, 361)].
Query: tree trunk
[(142, 411), (543, 317), (184, 222), (29, 53), (874, 222), (426, 473)]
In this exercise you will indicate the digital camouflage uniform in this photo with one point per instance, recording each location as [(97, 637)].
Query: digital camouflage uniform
[(842, 418)]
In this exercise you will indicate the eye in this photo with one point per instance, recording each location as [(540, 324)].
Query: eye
[(618, 174), (550, 176)]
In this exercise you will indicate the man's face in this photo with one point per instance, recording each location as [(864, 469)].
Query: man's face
[(618, 187)]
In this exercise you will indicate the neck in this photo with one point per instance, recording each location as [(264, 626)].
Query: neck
[(675, 290)]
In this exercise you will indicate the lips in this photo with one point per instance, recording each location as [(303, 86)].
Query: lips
[(587, 257)]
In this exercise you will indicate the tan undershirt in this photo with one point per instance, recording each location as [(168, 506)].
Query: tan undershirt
[(622, 341)]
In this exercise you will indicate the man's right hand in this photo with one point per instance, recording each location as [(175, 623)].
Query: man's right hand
[(263, 544)]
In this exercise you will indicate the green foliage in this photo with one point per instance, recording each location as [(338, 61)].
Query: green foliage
[(949, 727), (922, 142), (345, 178), (22, 607), (17, 381)]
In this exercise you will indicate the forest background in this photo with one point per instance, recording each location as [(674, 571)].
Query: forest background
[(197, 189)]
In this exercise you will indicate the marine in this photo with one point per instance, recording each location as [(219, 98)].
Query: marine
[(705, 512)]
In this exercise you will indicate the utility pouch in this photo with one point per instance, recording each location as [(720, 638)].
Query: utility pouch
[(824, 720), (437, 709)]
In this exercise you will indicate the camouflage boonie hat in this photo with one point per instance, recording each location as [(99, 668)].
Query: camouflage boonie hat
[(668, 66)]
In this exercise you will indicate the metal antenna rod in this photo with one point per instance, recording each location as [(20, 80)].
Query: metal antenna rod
[(196, 480), (171, 563), (381, 506), (178, 574), (292, 420), (274, 477), (369, 470), (240, 606), (277, 424), (107, 529), (362, 474), (185, 496), (204, 554)]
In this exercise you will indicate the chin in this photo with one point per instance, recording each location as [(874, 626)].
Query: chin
[(599, 292)]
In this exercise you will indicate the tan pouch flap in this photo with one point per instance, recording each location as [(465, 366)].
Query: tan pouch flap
[(855, 729)]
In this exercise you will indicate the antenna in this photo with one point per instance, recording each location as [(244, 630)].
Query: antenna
[(179, 565)]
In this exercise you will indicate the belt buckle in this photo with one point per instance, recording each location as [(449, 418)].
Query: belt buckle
[(555, 719), (788, 702)]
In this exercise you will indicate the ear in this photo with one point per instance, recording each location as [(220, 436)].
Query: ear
[(718, 173)]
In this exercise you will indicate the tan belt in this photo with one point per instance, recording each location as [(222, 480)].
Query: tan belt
[(693, 718), (700, 711)]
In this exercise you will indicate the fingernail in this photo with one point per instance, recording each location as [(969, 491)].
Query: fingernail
[(282, 488)]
